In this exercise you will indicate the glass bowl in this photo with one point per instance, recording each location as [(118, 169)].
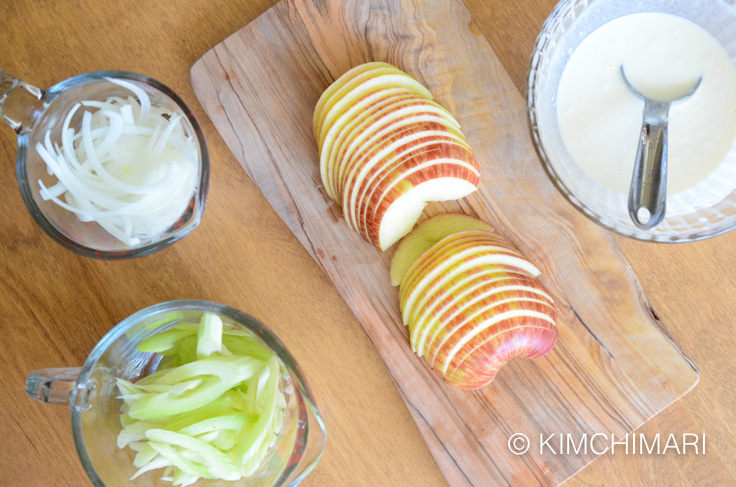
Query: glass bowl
[(706, 210), (33, 112)]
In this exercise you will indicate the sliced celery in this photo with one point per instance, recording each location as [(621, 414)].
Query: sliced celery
[(212, 410), (165, 404), (219, 464), (209, 336), (161, 342), (250, 441)]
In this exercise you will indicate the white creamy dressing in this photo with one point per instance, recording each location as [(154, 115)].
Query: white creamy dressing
[(663, 55)]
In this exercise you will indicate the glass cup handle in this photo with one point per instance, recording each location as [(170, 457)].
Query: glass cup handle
[(20, 103), (52, 386)]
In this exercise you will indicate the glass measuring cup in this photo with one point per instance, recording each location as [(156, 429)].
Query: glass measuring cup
[(31, 112), (704, 211), (91, 393)]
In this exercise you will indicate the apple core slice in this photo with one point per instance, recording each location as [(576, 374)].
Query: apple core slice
[(426, 235)]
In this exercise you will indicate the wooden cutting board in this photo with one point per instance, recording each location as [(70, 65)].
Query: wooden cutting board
[(615, 364)]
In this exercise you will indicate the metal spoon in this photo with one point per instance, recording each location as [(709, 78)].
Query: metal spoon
[(648, 192)]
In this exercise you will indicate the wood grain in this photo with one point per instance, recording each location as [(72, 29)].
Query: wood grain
[(615, 365), (56, 305)]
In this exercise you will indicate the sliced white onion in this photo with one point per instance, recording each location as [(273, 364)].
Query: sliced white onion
[(130, 169)]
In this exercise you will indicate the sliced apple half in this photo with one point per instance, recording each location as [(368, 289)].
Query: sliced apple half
[(425, 235), (472, 302)]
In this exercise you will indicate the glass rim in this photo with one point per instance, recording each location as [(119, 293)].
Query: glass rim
[(253, 325), (550, 24), (200, 196)]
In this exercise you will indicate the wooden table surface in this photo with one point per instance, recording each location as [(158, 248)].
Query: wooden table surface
[(55, 305)]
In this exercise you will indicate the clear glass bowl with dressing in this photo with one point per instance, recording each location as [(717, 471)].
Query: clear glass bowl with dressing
[(697, 214)]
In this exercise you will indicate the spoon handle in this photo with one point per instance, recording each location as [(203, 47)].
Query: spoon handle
[(647, 196)]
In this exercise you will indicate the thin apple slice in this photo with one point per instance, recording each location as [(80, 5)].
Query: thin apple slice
[(355, 122), (375, 127), (449, 170), (463, 324), (457, 290), (339, 83), (384, 145), (448, 253), (369, 187), (451, 161), (345, 85), (400, 217), (362, 86), (479, 367), (425, 235)]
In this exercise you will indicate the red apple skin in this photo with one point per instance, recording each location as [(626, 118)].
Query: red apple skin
[(369, 151), (435, 355), (388, 173), (479, 368)]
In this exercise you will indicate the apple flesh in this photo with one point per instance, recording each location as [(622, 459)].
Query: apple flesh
[(386, 149), (471, 300), (426, 235)]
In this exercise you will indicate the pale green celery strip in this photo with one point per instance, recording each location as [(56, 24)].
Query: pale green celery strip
[(234, 422), (187, 350), (184, 479), (185, 386), (161, 342), (281, 400), (226, 329), (209, 336), (207, 437), (250, 441), (144, 456), (137, 446), (246, 346), (128, 388), (163, 405), (230, 369), (134, 432), (177, 460), (226, 440), (169, 362), (219, 464), (152, 465)]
